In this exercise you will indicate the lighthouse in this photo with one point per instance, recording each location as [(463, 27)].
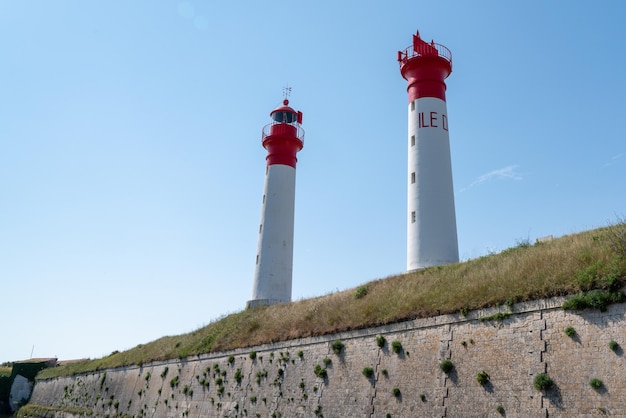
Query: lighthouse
[(282, 138), (431, 218)]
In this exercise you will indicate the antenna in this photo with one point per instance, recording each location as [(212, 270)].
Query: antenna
[(286, 91)]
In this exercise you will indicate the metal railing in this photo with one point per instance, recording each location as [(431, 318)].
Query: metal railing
[(425, 50), (268, 127)]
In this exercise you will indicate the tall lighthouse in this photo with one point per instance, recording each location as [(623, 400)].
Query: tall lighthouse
[(282, 138), (431, 219)]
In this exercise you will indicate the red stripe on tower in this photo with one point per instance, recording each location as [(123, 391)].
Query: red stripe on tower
[(284, 137), (426, 75)]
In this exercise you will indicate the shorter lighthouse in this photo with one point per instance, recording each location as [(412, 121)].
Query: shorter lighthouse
[(282, 138)]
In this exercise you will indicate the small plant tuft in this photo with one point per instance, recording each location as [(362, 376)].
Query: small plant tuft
[(337, 347), (327, 361), (395, 392), (252, 355), (320, 371), (380, 341), (596, 383), (301, 354), (368, 372), (396, 346), (238, 376), (570, 332), (500, 409), (613, 345), (360, 292), (422, 397), (482, 377), (446, 366), (231, 359), (543, 382)]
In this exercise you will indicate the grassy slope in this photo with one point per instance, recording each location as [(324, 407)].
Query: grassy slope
[(567, 265)]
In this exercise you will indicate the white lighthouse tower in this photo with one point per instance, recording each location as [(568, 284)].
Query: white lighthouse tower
[(431, 223), (282, 139)]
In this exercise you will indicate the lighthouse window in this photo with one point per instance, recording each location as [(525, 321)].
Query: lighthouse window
[(412, 106), (260, 228), (413, 217), (285, 117), (413, 177), (263, 198), (412, 140), (257, 259)]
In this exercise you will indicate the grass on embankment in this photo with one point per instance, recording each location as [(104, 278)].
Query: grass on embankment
[(590, 260)]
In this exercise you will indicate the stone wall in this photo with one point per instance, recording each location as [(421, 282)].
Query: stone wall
[(280, 381)]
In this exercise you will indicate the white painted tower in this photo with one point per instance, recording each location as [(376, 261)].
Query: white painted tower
[(282, 139), (431, 223)]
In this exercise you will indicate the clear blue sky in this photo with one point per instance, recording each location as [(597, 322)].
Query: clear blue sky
[(131, 167)]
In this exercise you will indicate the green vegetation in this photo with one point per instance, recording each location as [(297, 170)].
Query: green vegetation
[(613, 345), (380, 341), (252, 355), (500, 409), (482, 378), (596, 383), (337, 347), (395, 392), (422, 397), (591, 263), (570, 332), (360, 292), (396, 346), (446, 366), (239, 376), (498, 316), (595, 299), (543, 382), (368, 372), (31, 410), (320, 371)]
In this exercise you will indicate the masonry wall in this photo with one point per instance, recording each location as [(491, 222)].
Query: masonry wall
[(281, 382)]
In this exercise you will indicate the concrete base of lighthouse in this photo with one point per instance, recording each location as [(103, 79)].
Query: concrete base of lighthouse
[(255, 303)]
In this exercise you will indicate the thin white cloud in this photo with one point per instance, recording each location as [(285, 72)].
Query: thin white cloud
[(506, 173), (613, 159)]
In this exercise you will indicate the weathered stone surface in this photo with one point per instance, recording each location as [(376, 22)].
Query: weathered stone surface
[(279, 382)]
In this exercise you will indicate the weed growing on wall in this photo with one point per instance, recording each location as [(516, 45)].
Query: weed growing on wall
[(446, 366), (613, 345), (482, 377), (543, 382), (380, 341), (320, 371), (570, 332), (396, 346), (337, 347), (368, 372), (596, 383)]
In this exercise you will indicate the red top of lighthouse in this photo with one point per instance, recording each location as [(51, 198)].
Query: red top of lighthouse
[(284, 137), (425, 66)]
